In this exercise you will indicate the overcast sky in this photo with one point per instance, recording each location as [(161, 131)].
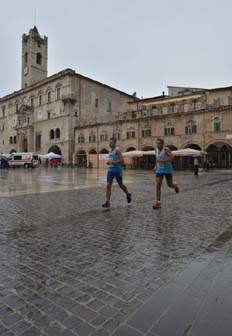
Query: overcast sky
[(132, 45)]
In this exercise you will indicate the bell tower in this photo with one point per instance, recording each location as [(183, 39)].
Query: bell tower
[(34, 57)]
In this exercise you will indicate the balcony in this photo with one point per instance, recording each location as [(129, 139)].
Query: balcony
[(69, 98)]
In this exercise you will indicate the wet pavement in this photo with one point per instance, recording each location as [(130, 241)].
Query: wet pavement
[(67, 267)]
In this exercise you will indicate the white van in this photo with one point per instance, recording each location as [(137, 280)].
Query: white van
[(26, 160)]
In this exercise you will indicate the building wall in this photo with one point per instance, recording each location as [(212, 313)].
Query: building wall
[(199, 118), (74, 107)]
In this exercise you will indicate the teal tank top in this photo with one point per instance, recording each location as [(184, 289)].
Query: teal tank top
[(163, 168), (114, 157)]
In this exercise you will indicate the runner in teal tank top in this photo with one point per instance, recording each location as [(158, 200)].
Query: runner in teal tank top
[(115, 171), (163, 168)]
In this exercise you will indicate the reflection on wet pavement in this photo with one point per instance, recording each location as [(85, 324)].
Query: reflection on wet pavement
[(67, 267)]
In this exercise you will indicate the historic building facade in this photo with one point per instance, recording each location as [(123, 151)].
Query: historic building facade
[(186, 117), (71, 114), (44, 114)]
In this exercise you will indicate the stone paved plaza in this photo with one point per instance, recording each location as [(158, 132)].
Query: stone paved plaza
[(67, 267)]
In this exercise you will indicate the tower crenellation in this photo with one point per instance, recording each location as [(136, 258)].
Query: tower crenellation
[(34, 57)]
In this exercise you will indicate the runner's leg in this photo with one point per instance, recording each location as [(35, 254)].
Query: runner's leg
[(123, 187), (159, 181), (171, 184), (108, 191)]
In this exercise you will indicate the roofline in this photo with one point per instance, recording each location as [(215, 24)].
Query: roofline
[(38, 84), (186, 87), (221, 88), (59, 74), (107, 86), (164, 98)]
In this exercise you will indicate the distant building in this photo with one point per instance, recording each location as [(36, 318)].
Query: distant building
[(44, 115), (186, 117)]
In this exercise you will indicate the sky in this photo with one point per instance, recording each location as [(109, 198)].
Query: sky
[(133, 45)]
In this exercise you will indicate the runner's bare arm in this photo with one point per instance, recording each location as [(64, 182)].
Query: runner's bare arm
[(169, 153), (121, 160)]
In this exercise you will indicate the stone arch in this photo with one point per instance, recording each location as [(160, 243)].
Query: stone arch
[(49, 89), (40, 92), (220, 154), (147, 161), (92, 151), (148, 148), (192, 146), (131, 148), (55, 149), (59, 84), (219, 143), (172, 147), (104, 151), (81, 158)]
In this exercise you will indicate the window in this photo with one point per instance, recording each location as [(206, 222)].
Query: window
[(186, 107), (32, 102), (38, 44), (223, 101), (52, 134), (58, 93), (109, 107), (174, 108), (38, 141), (17, 107), (191, 129), (81, 139), (96, 102), (49, 115), (164, 110), (17, 157), (92, 138), (146, 133), (40, 100), (217, 125), (196, 105), (57, 133), (154, 109), (26, 57), (28, 120), (3, 111), (25, 85), (169, 131), (38, 58), (49, 96), (11, 140), (130, 134), (116, 135), (103, 137)]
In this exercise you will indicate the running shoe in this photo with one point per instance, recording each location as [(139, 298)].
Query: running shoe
[(157, 205), (129, 198), (106, 205), (177, 189)]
